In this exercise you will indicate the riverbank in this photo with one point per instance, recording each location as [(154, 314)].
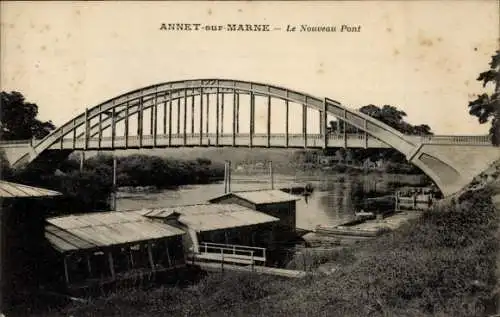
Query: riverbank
[(441, 264)]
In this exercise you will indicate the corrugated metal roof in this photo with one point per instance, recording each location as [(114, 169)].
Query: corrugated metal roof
[(261, 196), (14, 190), (103, 229), (208, 217)]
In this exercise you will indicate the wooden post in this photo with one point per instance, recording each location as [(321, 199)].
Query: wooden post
[(82, 159), (222, 262), (268, 121), (89, 267), (150, 256), (66, 272), (111, 265), (168, 255), (132, 264), (271, 174)]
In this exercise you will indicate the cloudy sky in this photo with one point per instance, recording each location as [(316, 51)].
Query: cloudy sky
[(422, 57)]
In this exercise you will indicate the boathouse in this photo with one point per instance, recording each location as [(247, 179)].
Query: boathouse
[(275, 203), (102, 248), (224, 224), (22, 218)]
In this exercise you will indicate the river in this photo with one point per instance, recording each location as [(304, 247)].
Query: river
[(331, 202)]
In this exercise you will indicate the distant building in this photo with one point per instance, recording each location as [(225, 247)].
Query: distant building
[(97, 249), (217, 223), (22, 216), (272, 202)]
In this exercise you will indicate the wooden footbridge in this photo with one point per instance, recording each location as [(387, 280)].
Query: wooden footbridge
[(217, 257)]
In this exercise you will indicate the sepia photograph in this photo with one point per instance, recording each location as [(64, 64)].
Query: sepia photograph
[(250, 158)]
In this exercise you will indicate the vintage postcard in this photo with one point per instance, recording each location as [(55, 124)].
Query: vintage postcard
[(250, 158)]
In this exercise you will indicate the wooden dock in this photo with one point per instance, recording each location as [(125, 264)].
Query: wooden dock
[(220, 267)]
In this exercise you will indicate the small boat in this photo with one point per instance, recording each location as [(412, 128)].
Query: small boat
[(299, 189), (347, 231), (364, 215)]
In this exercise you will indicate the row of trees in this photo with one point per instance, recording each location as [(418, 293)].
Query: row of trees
[(389, 115)]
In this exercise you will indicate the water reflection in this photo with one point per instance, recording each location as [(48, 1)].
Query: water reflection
[(333, 201)]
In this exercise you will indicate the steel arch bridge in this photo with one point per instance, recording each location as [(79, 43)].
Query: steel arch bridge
[(450, 161)]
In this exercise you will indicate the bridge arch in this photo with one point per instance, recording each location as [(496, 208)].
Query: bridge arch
[(156, 94), (438, 167)]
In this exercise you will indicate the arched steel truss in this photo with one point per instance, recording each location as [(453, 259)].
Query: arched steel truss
[(136, 102)]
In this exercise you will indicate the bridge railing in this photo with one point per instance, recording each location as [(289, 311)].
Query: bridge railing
[(16, 142), (433, 139), (255, 254), (455, 139)]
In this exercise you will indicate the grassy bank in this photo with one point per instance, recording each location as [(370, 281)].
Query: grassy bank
[(443, 264)]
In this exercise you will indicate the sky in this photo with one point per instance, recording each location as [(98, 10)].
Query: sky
[(420, 56)]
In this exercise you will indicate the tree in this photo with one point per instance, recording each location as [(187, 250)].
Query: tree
[(487, 107), (394, 118), (18, 118)]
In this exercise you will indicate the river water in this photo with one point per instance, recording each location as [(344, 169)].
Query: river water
[(330, 204)]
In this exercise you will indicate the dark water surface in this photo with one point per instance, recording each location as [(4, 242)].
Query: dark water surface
[(331, 202)]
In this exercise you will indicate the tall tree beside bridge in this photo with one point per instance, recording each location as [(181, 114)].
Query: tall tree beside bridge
[(18, 118), (487, 107)]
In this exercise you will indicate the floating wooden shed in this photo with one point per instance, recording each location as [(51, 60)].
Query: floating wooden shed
[(101, 248), (218, 223), (275, 203)]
